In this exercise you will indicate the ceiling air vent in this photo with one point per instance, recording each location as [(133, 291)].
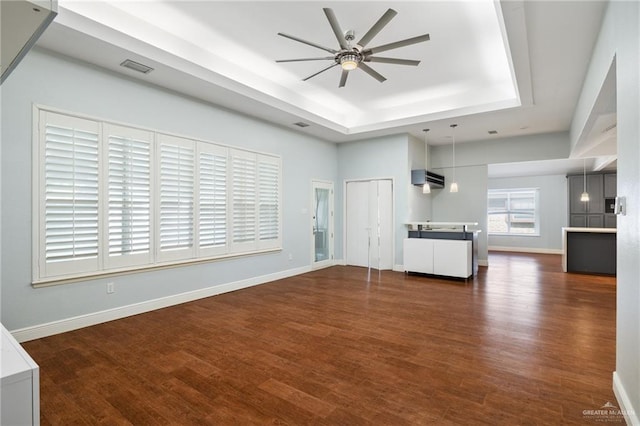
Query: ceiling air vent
[(136, 66), (493, 132), (301, 124)]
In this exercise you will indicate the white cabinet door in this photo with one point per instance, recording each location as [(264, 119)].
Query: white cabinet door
[(418, 255), (452, 258)]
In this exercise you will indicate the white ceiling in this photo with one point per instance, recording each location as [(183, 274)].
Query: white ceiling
[(515, 67)]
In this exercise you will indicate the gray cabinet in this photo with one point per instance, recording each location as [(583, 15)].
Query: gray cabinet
[(590, 214), (610, 221), (610, 185)]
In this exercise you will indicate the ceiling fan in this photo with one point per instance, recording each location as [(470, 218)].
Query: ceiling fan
[(351, 57)]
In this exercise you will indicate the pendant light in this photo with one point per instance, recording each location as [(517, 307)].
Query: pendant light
[(454, 183), (426, 189), (585, 195)]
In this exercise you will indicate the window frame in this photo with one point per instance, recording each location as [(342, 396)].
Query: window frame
[(509, 211), (44, 274)]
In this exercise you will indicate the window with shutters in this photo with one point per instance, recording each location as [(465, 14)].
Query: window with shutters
[(69, 195), (243, 199), (128, 196), (513, 212), (212, 199), (268, 201), (176, 207), (113, 198)]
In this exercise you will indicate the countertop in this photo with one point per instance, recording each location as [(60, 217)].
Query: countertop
[(598, 230)]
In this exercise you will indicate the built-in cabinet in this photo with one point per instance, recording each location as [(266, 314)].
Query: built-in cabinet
[(452, 258), (598, 211), (20, 378)]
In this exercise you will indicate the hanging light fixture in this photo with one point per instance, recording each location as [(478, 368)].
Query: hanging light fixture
[(454, 183), (585, 195), (426, 189)]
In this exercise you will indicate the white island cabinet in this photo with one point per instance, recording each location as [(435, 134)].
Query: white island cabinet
[(447, 249), (20, 392), (451, 258)]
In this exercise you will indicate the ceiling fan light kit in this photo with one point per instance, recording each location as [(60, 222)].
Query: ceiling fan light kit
[(351, 57)]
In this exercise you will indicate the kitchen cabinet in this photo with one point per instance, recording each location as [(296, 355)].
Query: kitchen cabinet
[(590, 214), (610, 185)]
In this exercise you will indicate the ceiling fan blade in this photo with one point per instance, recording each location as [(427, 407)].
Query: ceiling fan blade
[(319, 72), (366, 68), (373, 31), (397, 44), (335, 26), (307, 42), (391, 61), (343, 78), (305, 59)]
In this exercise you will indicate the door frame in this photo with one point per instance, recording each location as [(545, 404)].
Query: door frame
[(326, 184)]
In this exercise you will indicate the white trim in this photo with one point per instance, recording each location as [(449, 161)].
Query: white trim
[(74, 323), (398, 268), (526, 250), (339, 262), (630, 416), (483, 262)]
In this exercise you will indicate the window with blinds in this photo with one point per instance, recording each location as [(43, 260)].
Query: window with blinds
[(513, 212), (114, 198)]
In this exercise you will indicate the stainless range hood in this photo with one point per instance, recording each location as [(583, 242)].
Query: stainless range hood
[(420, 177), (22, 22)]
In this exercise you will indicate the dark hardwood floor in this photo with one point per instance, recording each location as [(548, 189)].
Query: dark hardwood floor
[(523, 343)]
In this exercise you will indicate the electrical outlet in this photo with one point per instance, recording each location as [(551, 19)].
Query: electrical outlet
[(290, 256), (110, 288)]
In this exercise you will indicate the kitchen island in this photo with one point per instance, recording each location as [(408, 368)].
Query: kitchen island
[(589, 250), (441, 248)]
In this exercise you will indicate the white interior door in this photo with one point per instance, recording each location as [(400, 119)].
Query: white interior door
[(369, 224), (357, 224)]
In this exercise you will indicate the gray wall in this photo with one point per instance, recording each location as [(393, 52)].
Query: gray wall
[(419, 203), (384, 157), (43, 78), (552, 208), (619, 40)]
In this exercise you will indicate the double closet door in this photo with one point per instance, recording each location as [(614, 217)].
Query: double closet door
[(369, 223)]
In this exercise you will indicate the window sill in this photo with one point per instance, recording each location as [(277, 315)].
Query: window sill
[(53, 281)]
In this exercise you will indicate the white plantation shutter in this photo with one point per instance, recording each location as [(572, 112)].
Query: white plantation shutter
[(111, 198), (243, 200), (212, 199), (128, 190), (268, 201), (176, 200), (69, 194)]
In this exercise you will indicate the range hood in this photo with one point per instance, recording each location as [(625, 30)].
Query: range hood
[(420, 177), (21, 23)]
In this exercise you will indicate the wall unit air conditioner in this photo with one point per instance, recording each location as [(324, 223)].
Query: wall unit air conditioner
[(420, 177)]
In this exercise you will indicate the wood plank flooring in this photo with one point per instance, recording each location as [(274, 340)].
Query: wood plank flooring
[(522, 343)]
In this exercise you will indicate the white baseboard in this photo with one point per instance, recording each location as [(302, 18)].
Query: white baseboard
[(630, 416), (483, 262), (398, 268), (526, 250), (74, 323)]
